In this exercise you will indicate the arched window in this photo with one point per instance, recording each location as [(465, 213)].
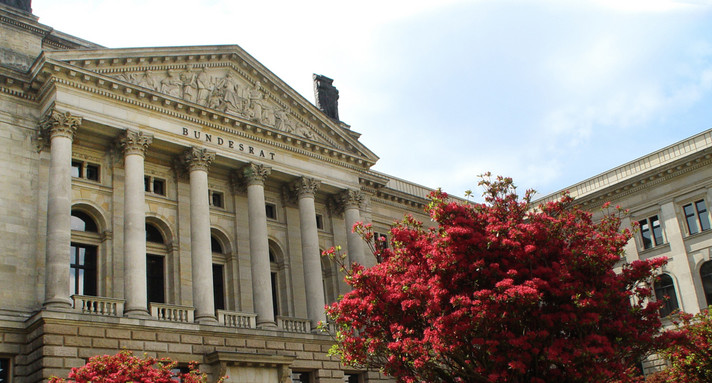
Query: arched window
[(83, 254), (665, 291), (156, 251), (706, 277), (218, 273)]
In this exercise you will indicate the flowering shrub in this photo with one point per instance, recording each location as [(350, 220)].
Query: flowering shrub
[(499, 292), (124, 367), (689, 349)]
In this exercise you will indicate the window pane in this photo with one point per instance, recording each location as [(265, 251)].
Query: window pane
[(92, 172), (219, 286), (215, 245), (4, 370), (704, 217), (154, 277), (275, 300), (217, 199), (76, 169), (159, 187), (153, 234), (691, 219), (665, 291), (706, 276), (81, 221), (271, 211), (147, 184), (657, 230)]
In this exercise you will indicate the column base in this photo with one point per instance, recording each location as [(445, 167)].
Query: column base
[(206, 319), (58, 304), (267, 326), (137, 314)]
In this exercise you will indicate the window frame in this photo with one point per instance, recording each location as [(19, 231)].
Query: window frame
[(211, 198), (10, 367), (699, 218), (150, 182), (671, 296), (273, 207), (82, 167), (653, 240), (87, 239)]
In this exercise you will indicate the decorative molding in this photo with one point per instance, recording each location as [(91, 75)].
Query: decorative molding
[(56, 124), (134, 142), (349, 198), (196, 158), (255, 174)]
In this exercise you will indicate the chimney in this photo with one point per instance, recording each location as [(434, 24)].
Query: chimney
[(327, 97)]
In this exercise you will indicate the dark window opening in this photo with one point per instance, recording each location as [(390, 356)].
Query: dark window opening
[(219, 286), (216, 199), (153, 234), (301, 377), (319, 222), (665, 291), (82, 269), (81, 221), (215, 245), (651, 232), (77, 169), (275, 297), (351, 378), (5, 370), (155, 278), (706, 276), (85, 170), (271, 211), (696, 216), (92, 172), (159, 186)]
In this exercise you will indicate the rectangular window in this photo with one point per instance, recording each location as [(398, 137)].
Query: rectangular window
[(380, 240), (92, 172), (77, 169), (85, 170), (697, 217), (301, 377), (271, 211), (5, 372), (159, 186), (218, 286), (154, 185), (320, 222), (651, 232), (82, 269), (216, 198), (352, 378), (154, 278)]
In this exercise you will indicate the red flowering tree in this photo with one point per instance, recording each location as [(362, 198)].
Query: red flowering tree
[(499, 292), (689, 349), (124, 367)]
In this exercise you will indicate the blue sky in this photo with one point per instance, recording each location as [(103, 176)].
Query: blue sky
[(549, 92)]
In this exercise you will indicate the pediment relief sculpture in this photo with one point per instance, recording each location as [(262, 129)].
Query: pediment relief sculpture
[(223, 91)]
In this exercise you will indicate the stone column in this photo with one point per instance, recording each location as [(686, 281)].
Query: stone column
[(306, 188), (198, 160), (255, 175), (134, 145), (59, 128), (351, 200)]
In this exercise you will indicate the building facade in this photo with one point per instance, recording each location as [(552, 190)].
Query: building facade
[(174, 202), (668, 194)]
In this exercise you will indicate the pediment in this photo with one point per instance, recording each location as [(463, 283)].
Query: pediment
[(225, 82)]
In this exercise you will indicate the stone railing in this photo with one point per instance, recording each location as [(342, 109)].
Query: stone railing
[(294, 324), (237, 319), (98, 305), (172, 313)]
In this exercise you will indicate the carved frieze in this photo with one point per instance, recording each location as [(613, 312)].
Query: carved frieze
[(56, 124), (134, 142), (224, 91)]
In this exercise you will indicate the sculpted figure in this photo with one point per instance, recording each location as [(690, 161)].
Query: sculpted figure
[(172, 85), (268, 116), (304, 131), (280, 119), (190, 84), (215, 100), (256, 102), (231, 94), (147, 81), (204, 84)]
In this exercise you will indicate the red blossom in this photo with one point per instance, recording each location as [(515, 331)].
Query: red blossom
[(499, 292)]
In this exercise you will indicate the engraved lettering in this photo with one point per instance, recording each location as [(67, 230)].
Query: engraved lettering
[(242, 147), (220, 141), (185, 131), (196, 134), (230, 144), (251, 150), (271, 155), (208, 137), (262, 153)]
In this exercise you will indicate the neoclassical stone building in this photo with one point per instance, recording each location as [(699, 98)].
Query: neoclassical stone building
[(669, 194), (174, 201)]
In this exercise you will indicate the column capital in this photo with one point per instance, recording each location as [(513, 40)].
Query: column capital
[(255, 174), (351, 198), (57, 124), (196, 158), (306, 187), (134, 142)]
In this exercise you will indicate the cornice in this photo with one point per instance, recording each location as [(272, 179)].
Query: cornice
[(639, 184), (61, 73)]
